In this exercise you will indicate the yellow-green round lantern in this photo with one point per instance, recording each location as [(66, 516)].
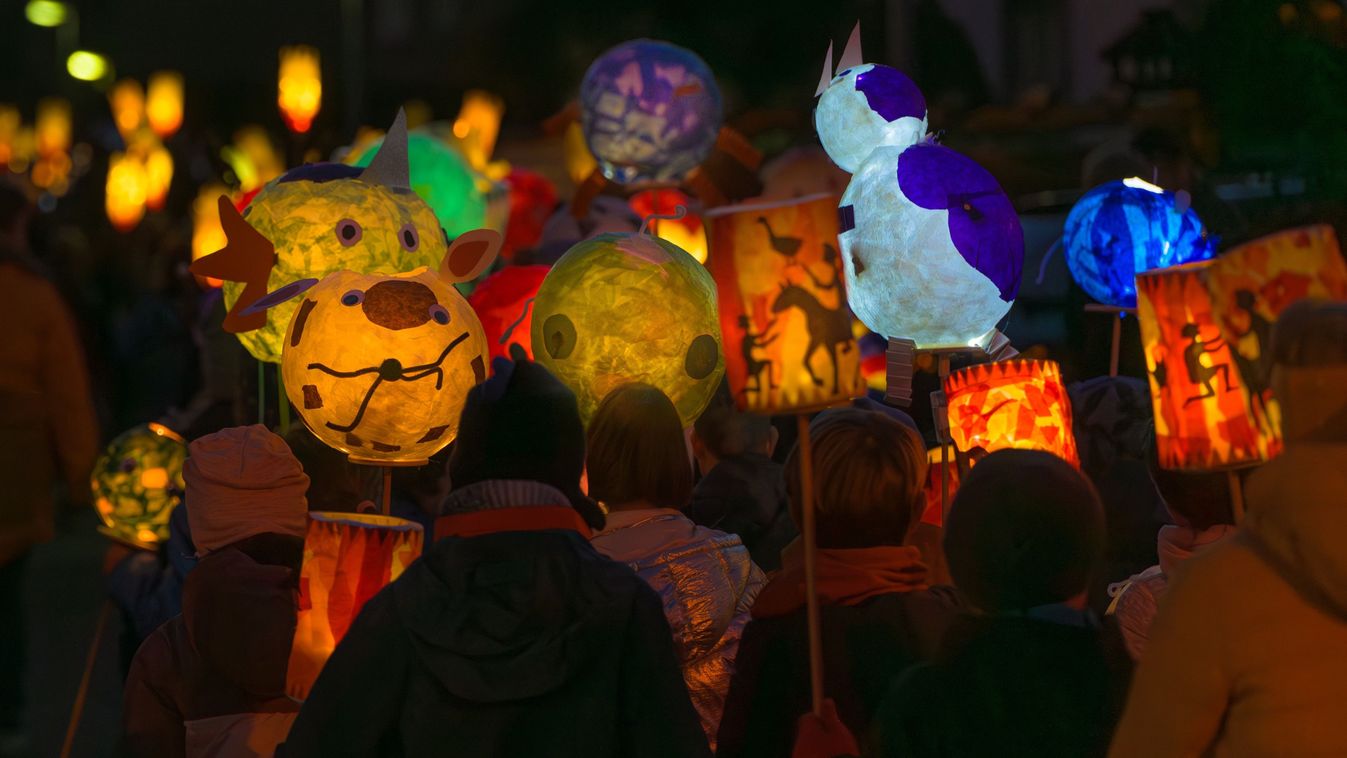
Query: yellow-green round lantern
[(327, 218), (138, 482), (622, 308)]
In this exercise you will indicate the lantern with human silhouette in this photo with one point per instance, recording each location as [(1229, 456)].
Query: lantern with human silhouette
[(1205, 415), (348, 558), (789, 344), (1020, 404)]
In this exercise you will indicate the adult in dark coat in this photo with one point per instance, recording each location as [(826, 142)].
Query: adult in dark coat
[(1034, 674), (511, 636)]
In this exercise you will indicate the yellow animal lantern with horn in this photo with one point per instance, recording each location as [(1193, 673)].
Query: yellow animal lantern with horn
[(313, 221), (380, 366)]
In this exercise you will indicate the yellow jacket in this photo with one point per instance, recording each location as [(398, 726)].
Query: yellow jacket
[(1248, 653)]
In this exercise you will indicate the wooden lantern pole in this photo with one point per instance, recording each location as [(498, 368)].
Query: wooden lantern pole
[(1116, 344), (1236, 494), (82, 694), (942, 368), (810, 569), (388, 489)]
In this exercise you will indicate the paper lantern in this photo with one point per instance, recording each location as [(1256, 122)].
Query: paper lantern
[(348, 558), (163, 103), (442, 178), (1120, 229), (504, 304), (313, 221), (380, 366), (932, 248), (207, 234), (137, 483), (1204, 415), (532, 198), (866, 107), (787, 330), (253, 158), (687, 232), (158, 176), (127, 100), (650, 111), (933, 510), (1020, 404), (126, 191), (299, 87), (477, 126), (623, 308), (53, 126), (606, 215)]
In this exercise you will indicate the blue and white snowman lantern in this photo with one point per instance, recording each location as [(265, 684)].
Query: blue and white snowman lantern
[(650, 112), (932, 248), (1123, 228)]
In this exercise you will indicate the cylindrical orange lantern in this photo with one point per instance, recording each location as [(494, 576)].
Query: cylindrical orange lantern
[(53, 126), (1011, 404), (1204, 417), (348, 557), (127, 99), (686, 231), (504, 304), (207, 233), (126, 191), (158, 176), (784, 318), (163, 103), (299, 87)]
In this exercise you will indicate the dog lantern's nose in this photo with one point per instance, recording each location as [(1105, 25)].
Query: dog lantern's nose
[(398, 304)]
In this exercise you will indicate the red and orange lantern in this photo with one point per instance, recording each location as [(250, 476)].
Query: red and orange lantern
[(787, 330), (685, 231), (348, 558), (1205, 413), (504, 304), (1011, 404)]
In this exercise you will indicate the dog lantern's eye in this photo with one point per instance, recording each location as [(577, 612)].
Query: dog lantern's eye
[(348, 232), (409, 238), (438, 313), (352, 298)]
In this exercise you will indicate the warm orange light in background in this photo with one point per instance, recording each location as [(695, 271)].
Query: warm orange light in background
[(127, 188), (158, 176), (207, 234), (784, 319), (53, 126), (348, 557), (9, 133), (686, 232), (299, 87), (478, 125), (163, 104), (253, 158), (1011, 404), (127, 100), (1205, 417), (580, 163)]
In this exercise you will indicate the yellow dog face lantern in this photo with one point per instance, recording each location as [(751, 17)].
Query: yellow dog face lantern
[(380, 366), (313, 221)]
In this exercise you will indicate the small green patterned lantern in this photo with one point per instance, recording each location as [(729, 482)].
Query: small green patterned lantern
[(138, 482)]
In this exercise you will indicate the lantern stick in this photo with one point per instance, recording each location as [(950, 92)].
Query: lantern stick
[(388, 489), (942, 367), (82, 694), (261, 393), (810, 571), (1236, 495), (1113, 351)]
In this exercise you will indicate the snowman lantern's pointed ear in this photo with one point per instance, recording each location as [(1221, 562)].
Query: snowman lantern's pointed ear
[(469, 255)]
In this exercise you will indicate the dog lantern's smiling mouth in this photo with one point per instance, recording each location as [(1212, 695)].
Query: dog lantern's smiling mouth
[(390, 370)]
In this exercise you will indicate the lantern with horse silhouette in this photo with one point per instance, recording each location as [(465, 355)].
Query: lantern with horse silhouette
[(622, 308), (1011, 404), (783, 312), (380, 366), (1205, 416), (348, 558)]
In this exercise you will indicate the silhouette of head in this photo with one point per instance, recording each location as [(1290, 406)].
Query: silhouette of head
[(1189, 330)]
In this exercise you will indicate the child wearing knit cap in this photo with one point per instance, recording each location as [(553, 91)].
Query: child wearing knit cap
[(215, 675)]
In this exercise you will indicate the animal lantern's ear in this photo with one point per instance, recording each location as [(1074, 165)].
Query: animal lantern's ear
[(247, 257), (469, 255)]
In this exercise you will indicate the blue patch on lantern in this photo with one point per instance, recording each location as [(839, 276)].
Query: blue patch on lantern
[(650, 111), (1117, 231)]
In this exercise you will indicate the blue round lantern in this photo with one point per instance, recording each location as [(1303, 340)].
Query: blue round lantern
[(650, 112), (1123, 228)]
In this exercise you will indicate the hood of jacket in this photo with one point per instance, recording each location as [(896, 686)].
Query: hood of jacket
[(705, 578), (746, 495), (239, 611), (1297, 521), (507, 616)]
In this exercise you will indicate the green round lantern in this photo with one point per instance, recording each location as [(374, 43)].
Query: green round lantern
[(622, 308), (443, 179), (138, 482)]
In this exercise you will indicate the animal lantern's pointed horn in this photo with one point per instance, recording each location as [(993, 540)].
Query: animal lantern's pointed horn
[(827, 77), (389, 166), (247, 257), (851, 54)]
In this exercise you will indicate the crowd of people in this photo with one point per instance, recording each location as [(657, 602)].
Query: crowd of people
[(632, 588)]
